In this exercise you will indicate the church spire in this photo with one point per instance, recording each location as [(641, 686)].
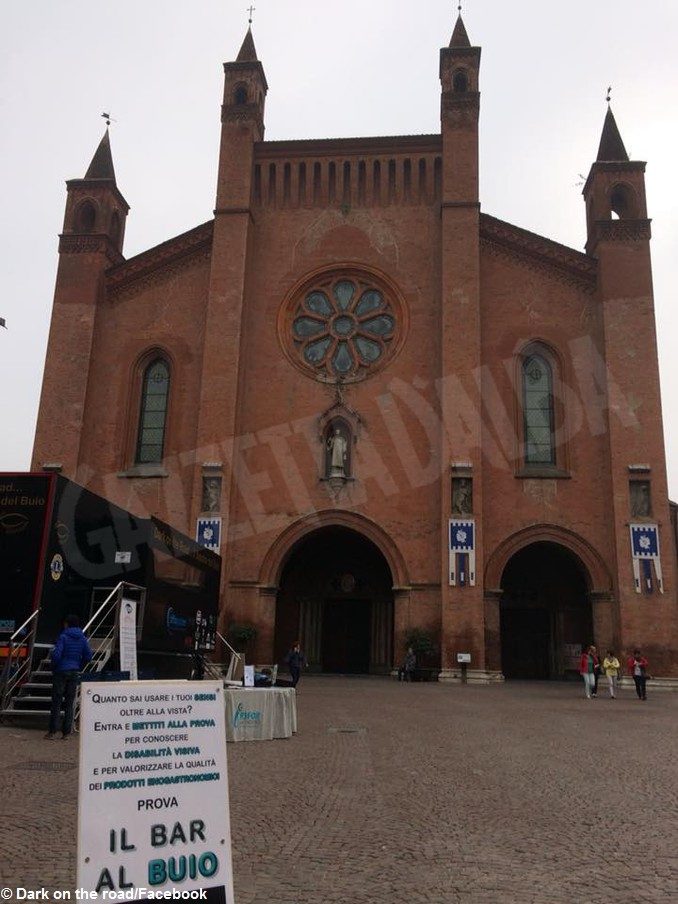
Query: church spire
[(611, 145), (101, 166), (460, 35), (248, 52)]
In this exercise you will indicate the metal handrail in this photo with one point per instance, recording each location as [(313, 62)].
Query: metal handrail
[(227, 644), (235, 657), (105, 643), (13, 675), (113, 592), (30, 618)]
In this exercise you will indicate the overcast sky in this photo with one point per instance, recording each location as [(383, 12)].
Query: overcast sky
[(335, 69)]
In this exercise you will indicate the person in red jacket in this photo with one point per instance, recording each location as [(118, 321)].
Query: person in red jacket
[(637, 666), (587, 669)]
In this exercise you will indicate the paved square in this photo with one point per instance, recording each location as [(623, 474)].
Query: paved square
[(421, 793)]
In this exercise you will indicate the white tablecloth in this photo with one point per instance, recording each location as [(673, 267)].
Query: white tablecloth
[(260, 713)]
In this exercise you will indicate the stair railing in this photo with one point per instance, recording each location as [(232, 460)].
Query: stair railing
[(235, 659), (19, 658), (101, 622), (105, 619)]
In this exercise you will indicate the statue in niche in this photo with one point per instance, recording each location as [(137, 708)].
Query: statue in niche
[(211, 494), (337, 459), (641, 506), (462, 496)]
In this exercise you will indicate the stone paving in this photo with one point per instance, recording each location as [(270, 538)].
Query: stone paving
[(422, 793)]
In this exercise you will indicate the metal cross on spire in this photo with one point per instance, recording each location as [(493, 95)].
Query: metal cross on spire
[(609, 94), (251, 10)]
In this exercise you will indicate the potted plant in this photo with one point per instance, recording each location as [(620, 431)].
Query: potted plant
[(425, 649), (241, 635)]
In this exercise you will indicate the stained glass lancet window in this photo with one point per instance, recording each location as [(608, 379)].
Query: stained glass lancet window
[(343, 326), (153, 415), (538, 411)]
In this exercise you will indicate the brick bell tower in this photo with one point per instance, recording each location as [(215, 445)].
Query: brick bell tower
[(462, 606), (91, 241), (242, 126), (618, 235)]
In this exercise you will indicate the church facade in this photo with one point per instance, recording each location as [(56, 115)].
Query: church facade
[(391, 411)]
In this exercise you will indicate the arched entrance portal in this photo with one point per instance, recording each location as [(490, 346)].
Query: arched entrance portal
[(336, 595), (545, 612)]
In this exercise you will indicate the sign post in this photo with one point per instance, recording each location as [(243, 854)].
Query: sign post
[(153, 813), (464, 659)]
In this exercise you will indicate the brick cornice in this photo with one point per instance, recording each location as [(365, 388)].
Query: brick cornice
[(619, 231), (91, 243), (538, 252), (328, 147), (155, 262)]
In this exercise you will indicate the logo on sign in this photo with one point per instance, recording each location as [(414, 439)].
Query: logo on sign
[(56, 568), (243, 715)]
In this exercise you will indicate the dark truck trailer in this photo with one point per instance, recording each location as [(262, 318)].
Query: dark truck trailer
[(62, 548)]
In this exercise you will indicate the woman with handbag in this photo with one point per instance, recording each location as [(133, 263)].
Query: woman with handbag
[(587, 669), (637, 666)]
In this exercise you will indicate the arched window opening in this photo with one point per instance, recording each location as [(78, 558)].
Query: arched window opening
[(460, 81), (153, 414), (240, 95), (622, 203), (538, 414), (115, 226), (337, 449), (87, 216)]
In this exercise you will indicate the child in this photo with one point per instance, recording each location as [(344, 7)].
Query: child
[(611, 669)]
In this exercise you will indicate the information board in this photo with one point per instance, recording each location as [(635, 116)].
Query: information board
[(128, 637), (153, 812)]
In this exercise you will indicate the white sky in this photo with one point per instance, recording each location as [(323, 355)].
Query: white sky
[(335, 69)]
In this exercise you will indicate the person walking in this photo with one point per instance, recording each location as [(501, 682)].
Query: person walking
[(406, 670), (611, 668), (597, 672), (70, 654), (295, 661), (587, 669), (637, 666)]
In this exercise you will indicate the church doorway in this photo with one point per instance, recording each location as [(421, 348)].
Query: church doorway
[(545, 612), (336, 596)]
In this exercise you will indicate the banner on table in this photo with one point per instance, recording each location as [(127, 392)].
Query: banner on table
[(153, 813), (462, 535), (645, 553)]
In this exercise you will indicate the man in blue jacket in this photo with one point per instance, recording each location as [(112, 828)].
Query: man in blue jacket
[(70, 653)]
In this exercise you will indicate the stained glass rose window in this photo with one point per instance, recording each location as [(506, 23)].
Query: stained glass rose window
[(343, 325)]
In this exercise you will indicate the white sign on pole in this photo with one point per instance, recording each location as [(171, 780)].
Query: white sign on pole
[(153, 812), (128, 637)]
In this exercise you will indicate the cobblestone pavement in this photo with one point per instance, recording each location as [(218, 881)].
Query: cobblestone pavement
[(417, 793)]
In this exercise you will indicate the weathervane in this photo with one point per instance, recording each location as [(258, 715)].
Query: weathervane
[(107, 118), (609, 93), (251, 10)]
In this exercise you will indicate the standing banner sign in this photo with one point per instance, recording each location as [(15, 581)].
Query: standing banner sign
[(645, 549), (128, 637), (153, 812), (462, 535)]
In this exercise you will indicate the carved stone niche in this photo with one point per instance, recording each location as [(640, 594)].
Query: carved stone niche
[(338, 432)]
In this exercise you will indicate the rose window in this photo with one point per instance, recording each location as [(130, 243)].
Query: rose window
[(342, 327)]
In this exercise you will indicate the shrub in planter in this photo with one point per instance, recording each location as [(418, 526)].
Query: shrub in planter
[(241, 635), (426, 651)]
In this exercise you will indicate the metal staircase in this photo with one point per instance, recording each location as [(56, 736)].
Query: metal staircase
[(26, 690)]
